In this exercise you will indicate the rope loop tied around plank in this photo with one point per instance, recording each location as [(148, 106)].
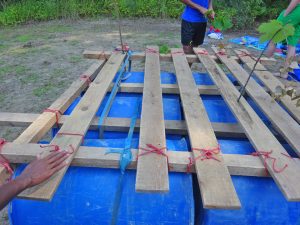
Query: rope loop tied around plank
[(245, 54), (72, 134), (86, 78), (4, 161), (155, 150), (202, 52), (151, 50), (180, 52), (56, 148), (221, 53), (57, 112), (267, 155), (122, 48), (204, 155)]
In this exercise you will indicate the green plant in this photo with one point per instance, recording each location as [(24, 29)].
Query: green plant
[(222, 20), (164, 49)]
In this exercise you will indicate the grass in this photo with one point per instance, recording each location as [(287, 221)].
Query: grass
[(2, 97), (75, 59), (41, 91), (59, 29), (24, 38), (32, 78)]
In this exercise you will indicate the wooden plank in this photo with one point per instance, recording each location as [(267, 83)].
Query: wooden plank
[(152, 169), (232, 130), (47, 119), (77, 124), (140, 56), (280, 119), (257, 132), (216, 188), (3, 175), (242, 165), (271, 82)]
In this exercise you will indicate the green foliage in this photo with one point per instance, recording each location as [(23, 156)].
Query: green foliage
[(275, 31), (222, 20), (164, 49), (244, 13)]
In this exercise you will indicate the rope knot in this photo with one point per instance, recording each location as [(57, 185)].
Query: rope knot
[(4, 161), (267, 155), (202, 52), (204, 155), (57, 114), (86, 78), (153, 149), (151, 50)]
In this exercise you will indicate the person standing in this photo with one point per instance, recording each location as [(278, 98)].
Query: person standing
[(194, 22), (289, 16)]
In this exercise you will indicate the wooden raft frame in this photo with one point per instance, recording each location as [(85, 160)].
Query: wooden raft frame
[(215, 184)]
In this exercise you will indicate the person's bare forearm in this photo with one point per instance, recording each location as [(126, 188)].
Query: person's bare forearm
[(195, 6), (11, 189), (291, 6)]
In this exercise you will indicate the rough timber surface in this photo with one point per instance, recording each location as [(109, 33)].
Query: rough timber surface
[(47, 119), (152, 169), (282, 121), (244, 165), (78, 123), (271, 82), (216, 188), (259, 135), (231, 130)]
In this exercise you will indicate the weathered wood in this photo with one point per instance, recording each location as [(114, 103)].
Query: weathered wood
[(231, 130), (152, 169), (216, 188), (47, 119), (3, 175), (77, 124), (140, 56), (257, 132), (280, 119), (243, 165), (271, 82)]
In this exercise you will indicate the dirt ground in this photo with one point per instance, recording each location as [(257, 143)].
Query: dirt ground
[(39, 61)]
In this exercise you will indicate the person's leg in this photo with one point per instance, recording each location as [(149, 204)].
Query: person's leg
[(199, 35), (271, 49), (187, 32)]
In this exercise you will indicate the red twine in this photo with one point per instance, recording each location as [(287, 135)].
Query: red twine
[(178, 52), (153, 149), (205, 154), (123, 47), (4, 161), (221, 53), (267, 155), (86, 78), (72, 134), (202, 52), (57, 114), (56, 148), (151, 50)]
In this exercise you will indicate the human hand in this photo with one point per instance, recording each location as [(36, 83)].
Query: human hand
[(212, 14), (42, 169)]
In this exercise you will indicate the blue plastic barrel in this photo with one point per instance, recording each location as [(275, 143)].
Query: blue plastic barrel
[(86, 195)]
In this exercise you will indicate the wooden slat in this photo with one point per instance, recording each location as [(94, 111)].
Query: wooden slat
[(47, 119), (152, 169), (78, 123), (244, 165), (217, 190), (140, 56), (271, 82), (280, 119), (231, 130), (259, 135)]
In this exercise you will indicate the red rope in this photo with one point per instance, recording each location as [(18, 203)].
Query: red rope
[(267, 155), (178, 52), (205, 154), (4, 161), (57, 114), (153, 149), (123, 47), (72, 134), (202, 52), (86, 78), (221, 53), (56, 148), (244, 54), (151, 50)]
